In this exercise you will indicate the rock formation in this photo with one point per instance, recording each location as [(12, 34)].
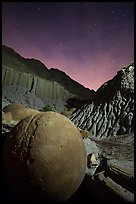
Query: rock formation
[(44, 157), (40, 87), (106, 121), (18, 94), (18, 114), (111, 111), (109, 119), (113, 175), (43, 82), (13, 106)]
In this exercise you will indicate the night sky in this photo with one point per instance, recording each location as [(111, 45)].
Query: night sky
[(89, 41)]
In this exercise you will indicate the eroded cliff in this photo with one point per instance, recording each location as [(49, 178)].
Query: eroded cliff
[(111, 112), (42, 88), (34, 75)]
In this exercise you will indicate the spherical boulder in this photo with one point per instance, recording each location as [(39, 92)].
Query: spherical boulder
[(13, 106), (45, 158), (18, 114)]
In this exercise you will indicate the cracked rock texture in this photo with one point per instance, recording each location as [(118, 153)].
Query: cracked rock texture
[(111, 111)]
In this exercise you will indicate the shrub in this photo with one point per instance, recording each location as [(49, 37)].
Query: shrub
[(47, 108)]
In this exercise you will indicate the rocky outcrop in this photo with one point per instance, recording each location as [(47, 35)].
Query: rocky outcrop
[(34, 75), (112, 178), (42, 88), (111, 111), (17, 94), (112, 184), (110, 145)]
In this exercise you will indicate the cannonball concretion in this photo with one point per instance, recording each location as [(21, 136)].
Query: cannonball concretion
[(13, 106), (44, 158)]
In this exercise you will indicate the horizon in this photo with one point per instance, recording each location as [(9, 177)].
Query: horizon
[(89, 41), (64, 71)]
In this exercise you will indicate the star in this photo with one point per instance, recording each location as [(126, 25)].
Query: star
[(76, 23), (18, 24), (61, 44), (18, 38), (123, 15), (82, 47), (38, 9), (112, 61), (125, 25)]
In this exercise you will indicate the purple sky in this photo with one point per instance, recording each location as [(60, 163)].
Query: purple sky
[(90, 41)]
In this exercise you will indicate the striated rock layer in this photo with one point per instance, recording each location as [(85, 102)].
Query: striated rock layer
[(37, 78), (42, 88), (111, 111)]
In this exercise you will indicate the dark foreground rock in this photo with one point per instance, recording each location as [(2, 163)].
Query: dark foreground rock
[(113, 178)]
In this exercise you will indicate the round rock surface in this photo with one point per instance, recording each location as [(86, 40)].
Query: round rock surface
[(44, 157), (13, 106)]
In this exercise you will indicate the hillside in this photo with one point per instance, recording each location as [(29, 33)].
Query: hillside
[(111, 112), (14, 61)]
